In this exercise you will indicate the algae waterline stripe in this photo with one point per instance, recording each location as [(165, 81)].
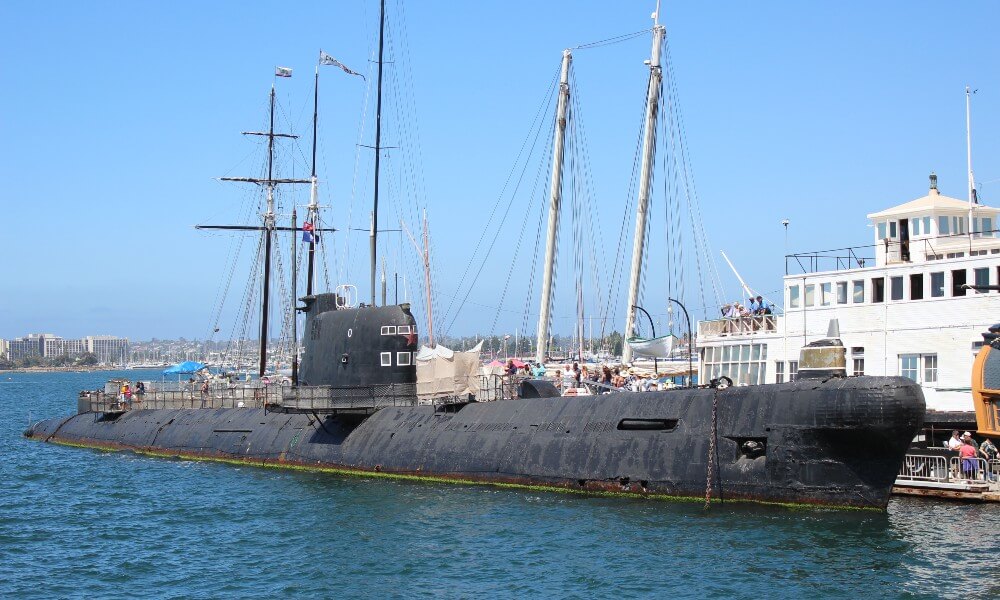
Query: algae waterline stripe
[(346, 471)]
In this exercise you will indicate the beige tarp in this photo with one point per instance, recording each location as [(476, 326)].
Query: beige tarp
[(443, 373)]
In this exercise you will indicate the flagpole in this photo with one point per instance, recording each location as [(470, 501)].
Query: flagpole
[(313, 192), (295, 316), (378, 143)]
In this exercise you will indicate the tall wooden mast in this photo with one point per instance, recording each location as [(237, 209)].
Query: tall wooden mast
[(645, 185), (312, 215), (555, 198), (378, 142), (269, 225)]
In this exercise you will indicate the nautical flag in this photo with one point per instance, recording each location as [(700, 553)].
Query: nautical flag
[(326, 59), (307, 232), (282, 72)]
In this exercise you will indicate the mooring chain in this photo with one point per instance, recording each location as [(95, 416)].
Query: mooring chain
[(711, 449)]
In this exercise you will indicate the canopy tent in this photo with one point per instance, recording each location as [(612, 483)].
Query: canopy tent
[(444, 373), (185, 368)]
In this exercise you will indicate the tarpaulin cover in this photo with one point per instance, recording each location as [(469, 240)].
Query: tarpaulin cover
[(443, 373), (185, 368)]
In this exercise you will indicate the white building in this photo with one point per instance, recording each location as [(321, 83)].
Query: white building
[(903, 311), (107, 348)]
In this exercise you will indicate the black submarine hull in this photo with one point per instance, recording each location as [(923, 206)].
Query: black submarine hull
[(837, 442)]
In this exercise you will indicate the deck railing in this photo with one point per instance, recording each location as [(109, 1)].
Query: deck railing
[(739, 325)]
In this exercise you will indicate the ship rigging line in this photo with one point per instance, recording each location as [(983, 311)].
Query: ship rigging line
[(612, 40), (542, 109)]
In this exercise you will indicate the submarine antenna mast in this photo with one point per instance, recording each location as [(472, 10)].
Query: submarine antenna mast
[(555, 194), (378, 141), (645, 182)]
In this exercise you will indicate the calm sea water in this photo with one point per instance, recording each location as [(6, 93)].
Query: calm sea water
[(83, 523)]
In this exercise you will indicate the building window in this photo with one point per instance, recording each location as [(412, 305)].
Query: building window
[(793, 370), (957, 281), (896, 288), (793, 296), (859, 367), (927, 225), (958, 225), (982, 276), (930, 368), (915, 226), (910, 367), (937, 284), (388, 330), (987, 227), (402, 359), (878, 289), (942, 225), (386, 359), (745, 364), (859, 292), (810, 295), (779, 371), (881, 230), (826, 293), (917, 286), (892, 229), (841, 292)]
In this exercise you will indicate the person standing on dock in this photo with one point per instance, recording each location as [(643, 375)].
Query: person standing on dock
[(968, 454)]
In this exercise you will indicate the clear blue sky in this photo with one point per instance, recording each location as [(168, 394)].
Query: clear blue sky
[(117, 118)]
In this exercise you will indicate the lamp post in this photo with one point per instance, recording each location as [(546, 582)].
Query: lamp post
[(656, 363), (690, 341)]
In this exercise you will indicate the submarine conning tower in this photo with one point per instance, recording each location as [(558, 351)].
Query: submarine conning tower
[(348, 346), (824, 358)]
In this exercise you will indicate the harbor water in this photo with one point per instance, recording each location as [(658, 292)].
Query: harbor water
[(85, 523)]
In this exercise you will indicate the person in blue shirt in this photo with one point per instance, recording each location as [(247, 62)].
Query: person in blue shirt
[(753, 305), (763, 306)]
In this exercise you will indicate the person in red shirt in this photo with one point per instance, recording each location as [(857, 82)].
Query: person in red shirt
[(968, 454)]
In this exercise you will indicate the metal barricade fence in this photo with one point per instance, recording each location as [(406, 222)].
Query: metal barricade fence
[(924, 468), (970, 468)]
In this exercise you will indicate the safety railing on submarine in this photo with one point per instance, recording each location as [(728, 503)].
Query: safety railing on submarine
[(178, 395), (327, 398)]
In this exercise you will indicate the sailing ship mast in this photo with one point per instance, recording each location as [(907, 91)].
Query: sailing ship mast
[(378, 142), (269, 224), (645, 183), (555, 193)]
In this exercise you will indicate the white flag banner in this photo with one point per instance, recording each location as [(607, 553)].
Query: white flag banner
[(326, 59), (282, 72)]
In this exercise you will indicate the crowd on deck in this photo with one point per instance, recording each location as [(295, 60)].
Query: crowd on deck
[(969, 450), (754, 306), (604, 378)]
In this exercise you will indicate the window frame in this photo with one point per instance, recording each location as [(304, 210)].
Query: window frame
[(401, 355), (385, 358)]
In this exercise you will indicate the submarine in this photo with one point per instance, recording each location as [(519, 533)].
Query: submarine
[(824, 439)]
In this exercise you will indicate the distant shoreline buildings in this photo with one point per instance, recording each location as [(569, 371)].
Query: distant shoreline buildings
[(107, 348)]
